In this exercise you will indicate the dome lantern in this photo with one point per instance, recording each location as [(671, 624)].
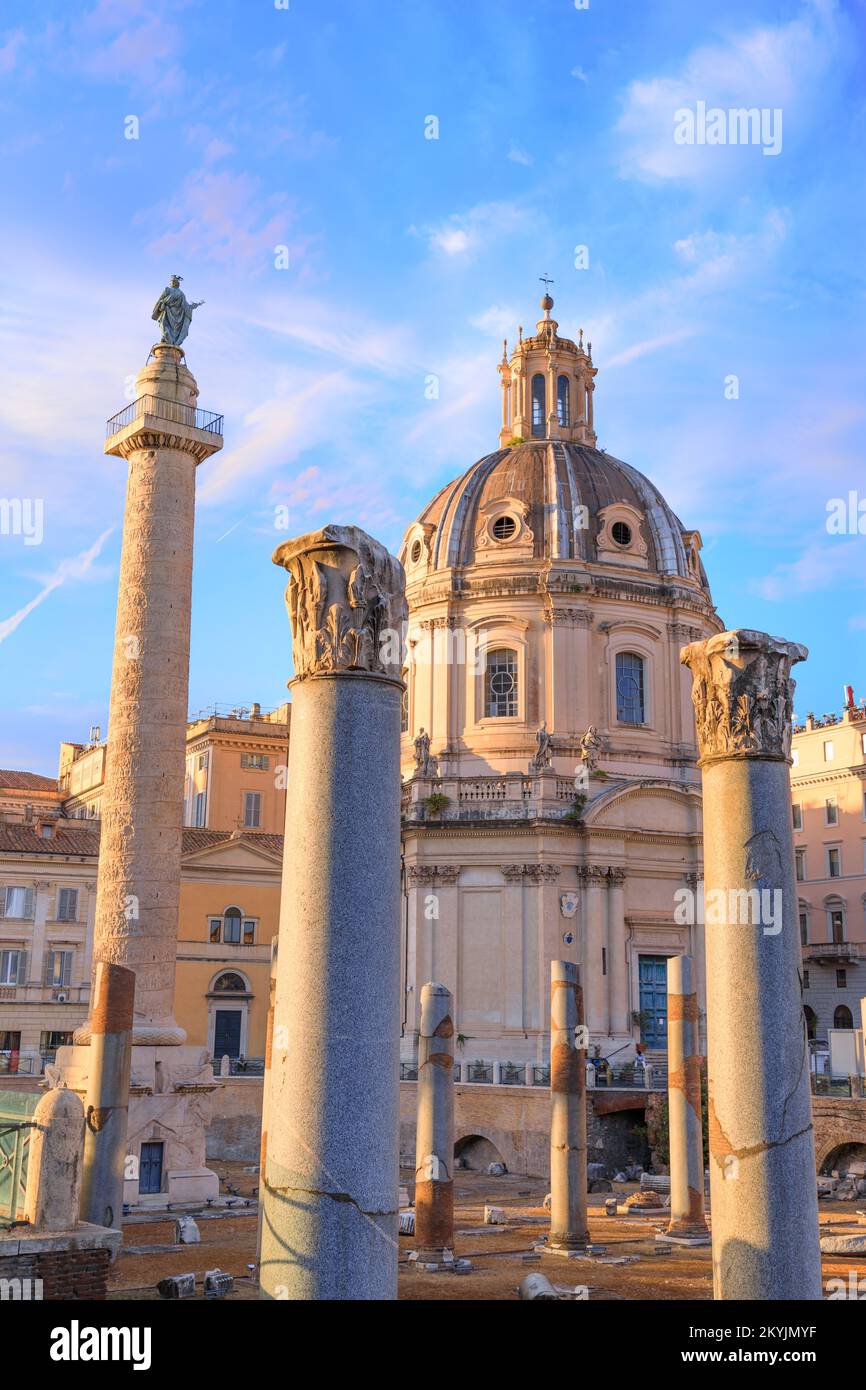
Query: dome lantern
[(547, 386)]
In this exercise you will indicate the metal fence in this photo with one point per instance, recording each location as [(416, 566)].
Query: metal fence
[(16, 1126), (624, 1078), (241, 1066), (174, 411)]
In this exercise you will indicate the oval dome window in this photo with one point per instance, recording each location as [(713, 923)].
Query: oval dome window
[(621, 533), (504, 528)]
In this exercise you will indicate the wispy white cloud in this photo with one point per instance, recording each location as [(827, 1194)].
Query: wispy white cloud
[(467, 234), (74, 568), (636, 350), (767, 66), (830, 563), (519, 156)]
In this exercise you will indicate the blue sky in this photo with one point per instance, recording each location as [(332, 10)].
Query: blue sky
[(261, 127)]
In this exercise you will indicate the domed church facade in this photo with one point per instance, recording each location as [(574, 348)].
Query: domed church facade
[(551, 801)]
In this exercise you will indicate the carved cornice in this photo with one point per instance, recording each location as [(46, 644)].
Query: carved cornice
[(154, 439), (346, 602), (568, 617), (432, 873), (532, 873), (743, 694)]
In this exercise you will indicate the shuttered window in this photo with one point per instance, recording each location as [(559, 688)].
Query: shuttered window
[(58, 969), (16, 902), (13, 967), (67, 905)]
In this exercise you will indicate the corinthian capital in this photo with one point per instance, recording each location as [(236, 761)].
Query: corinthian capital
[(743, 694), (346, 602)]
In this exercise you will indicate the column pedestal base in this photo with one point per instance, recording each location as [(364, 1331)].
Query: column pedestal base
[(169, 1104)]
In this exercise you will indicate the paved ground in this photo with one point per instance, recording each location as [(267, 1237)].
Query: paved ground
[(228, 1242)]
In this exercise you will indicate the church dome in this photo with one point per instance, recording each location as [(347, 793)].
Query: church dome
[(552, 500)]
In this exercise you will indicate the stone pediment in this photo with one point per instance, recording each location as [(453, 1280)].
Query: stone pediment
[(232, 853), (656, 808)]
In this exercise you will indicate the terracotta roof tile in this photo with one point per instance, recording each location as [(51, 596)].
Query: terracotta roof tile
[(11, 780)]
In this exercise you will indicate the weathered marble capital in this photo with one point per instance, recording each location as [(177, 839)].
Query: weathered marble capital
[(346, 602), (743, 694)]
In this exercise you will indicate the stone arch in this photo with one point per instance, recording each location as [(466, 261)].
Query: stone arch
[(478, 1150), (842, 1156)]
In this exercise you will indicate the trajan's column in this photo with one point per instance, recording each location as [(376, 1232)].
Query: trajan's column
[(163, 437)]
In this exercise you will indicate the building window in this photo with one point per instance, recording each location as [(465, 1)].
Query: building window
[(260, 762), (230, 984), (67, 905), (621, 533), (800, 864), (538, 407), (841, 979), (804, 928), (831, 811), (201, 762), (797, 815), (18, 903), (404, 704), (13, 967), (828, 750), (501, 678), (58, 969), (49, 1043), (252, 810), (629, 688), (837, 925), (198, 809), (232, 926), (811, 1023), (834, 862), (562, 401), (795, 758), (842, 1017), (805, 979)]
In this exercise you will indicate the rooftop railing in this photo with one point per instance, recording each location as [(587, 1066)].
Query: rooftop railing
[(174, 411)]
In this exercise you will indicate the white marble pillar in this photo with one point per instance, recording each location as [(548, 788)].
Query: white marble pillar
[(594, 983), (568, 1223), (107, 1104), (616, 961), (685, 1125), (762, 1152), (329, 1227), (434, 1132)]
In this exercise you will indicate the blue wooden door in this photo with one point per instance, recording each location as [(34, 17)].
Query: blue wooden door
[(150, 1169), (227, 1034), (653, 978)]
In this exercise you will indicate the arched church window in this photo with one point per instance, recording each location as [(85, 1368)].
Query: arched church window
[(539, 428), (501, 689), (230, 984), (562, 400), (630, 707), (404, 703), (842, 1017)]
